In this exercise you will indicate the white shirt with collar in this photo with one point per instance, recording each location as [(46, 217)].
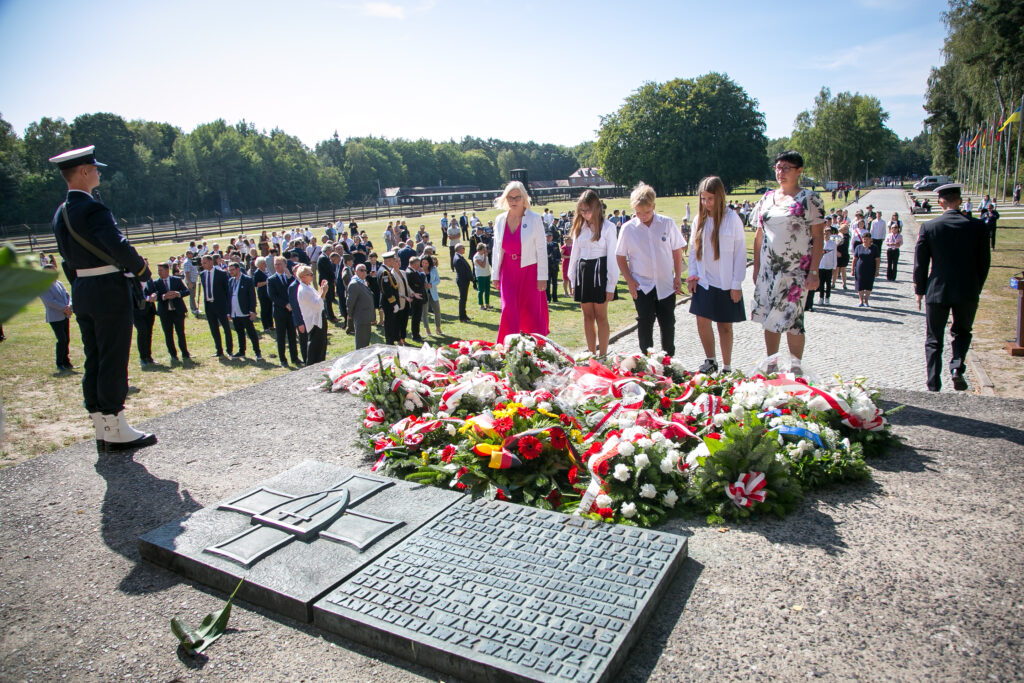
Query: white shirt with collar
[(311, 306), (236, 310), (649, 252), (584, 248), (878, 229), (534, 244), (729, 269)]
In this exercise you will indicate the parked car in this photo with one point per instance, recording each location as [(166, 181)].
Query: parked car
[(930, 182)]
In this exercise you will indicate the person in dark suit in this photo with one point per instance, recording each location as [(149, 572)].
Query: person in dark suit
[(345, 276), (464, 226), (277, 288), (143, 321), (339, 288), (259, 278), (170, 307), (361, 309), (418, 293), (101, 297), (216, 302), (951, 262), (243, 310), (404, 254), (390, 298), (325, 271), (293, 302), (463, 278)]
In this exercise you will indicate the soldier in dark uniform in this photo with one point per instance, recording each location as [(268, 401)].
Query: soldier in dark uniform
[(390, 298), (102, 300), (955, 246)]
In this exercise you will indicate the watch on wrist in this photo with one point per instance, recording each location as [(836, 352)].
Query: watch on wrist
[(814, 272)]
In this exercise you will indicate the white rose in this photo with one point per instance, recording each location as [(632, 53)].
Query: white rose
[(670, 499), (408, 405), (626, 449), (450, 428), (667, 465), (603, 501), (701, 451), (644, 443), (621, 472), (529, 401), (721, 418), (865, 410), (673, 455), (648, 491), (442, 414), (628, 510), (545, 406), (641, 460), (658, 438)]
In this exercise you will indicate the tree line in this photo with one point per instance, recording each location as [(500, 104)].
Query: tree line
[(982, 76), (156, 169)]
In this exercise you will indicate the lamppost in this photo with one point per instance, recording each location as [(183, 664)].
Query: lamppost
[(866, 162)]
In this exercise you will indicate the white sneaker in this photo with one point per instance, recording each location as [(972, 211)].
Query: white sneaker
[(97, 423), (118, 435)]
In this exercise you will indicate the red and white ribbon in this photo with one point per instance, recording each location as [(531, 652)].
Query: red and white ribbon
[(795, 388), (747, 490), (374, 416)]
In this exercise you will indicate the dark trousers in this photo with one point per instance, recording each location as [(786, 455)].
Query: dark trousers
[(403, 322), (416, 317), (892, 260), (216, 321), (825, 283), (62, 331), (465, 231), (243, 326), (104, 315), (992, 236), (362, 332), (451, 254), (329, 301), (143, 321), (170, 325), (316, 345), (286, 330), (553, 276), (391, 326), (304, 345), (648, 308), (936, 316), (266, 308), (463, 295)]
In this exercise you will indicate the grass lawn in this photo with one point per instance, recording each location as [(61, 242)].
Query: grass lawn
[(43, 409)]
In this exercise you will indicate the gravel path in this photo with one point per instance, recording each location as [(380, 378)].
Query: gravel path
[(885, 342)]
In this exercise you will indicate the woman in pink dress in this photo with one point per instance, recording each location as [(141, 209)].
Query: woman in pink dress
[(566, 254), (520, 264)]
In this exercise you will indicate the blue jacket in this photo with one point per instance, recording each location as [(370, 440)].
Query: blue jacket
[(56, 299), (278, 292), (164, 307), (246, 295), (293, 299)]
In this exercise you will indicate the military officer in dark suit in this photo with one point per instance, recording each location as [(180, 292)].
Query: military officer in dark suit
[(277, 288), (215, 304), (243, 309), (418, 296), (170, 308), (951, 261), (102, 300), (143, 321)]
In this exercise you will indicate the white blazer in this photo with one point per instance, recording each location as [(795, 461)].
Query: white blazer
[(535, 248)]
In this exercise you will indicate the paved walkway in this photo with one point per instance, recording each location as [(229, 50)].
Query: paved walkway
[(884, 343)]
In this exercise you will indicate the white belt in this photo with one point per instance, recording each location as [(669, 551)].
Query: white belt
[(100, 270)]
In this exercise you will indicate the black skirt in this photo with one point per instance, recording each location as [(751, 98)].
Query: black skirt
[(591, 281), (717, 305)]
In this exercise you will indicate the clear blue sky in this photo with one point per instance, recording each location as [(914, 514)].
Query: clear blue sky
[(440, 69)]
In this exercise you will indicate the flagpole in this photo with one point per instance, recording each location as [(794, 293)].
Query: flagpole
[(992, 155), (1016, 162), (973, 171)]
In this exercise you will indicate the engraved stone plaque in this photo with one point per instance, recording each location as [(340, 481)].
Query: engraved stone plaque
[(495, 591), (296, 536)]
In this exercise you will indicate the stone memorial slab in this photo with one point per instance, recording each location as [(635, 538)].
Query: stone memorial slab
[(496, 591), (295, 537)]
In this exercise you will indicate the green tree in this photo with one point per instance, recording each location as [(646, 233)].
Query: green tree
[(673, 134), (44, 139)]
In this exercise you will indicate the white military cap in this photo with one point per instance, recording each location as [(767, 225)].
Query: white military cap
[(949, 188), (77, 157)]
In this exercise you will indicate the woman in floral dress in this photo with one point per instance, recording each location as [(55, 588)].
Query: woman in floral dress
[(790, 233)]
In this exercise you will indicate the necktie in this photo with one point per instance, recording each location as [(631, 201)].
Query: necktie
[(209, 285), (170, 302)]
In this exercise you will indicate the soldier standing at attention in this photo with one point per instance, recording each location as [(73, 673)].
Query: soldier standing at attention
[(97, 260)]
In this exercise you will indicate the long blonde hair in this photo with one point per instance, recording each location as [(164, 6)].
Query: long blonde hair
[(501, 203), (713, 185), (588, 199)]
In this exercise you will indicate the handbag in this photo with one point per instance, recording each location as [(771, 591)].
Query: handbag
[(138, 297)]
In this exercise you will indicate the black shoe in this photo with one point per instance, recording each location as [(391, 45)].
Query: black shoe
[(238, 355), (141, 442), (187, 356), (418, 340), (709, 367), (219, 354), (959, 381)]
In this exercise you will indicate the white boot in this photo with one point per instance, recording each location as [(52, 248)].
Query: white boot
[(119, 435), (97, 423)]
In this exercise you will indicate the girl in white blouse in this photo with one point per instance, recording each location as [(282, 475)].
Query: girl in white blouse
[(718, 263), (593, 269)]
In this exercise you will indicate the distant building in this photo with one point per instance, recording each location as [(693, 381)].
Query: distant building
[(395, 196), (588, 177)]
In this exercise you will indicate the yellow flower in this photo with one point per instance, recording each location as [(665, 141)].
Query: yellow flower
[(545, 413), (424, 458), (576, 435)]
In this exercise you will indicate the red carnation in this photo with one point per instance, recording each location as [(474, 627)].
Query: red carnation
[(606, 512), (574, 475), (667, 360), (602, 469), (447, 453), (530, 447), (555, 498), (499, 406), (526, 412), (458, 475), (785, 411), (666, 402), (558, 440), (501, 495)]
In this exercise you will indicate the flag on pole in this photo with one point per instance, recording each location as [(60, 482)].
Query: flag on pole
[(974, 140), (1013, 118)]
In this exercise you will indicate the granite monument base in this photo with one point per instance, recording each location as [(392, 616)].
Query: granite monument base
[(295, 537)]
